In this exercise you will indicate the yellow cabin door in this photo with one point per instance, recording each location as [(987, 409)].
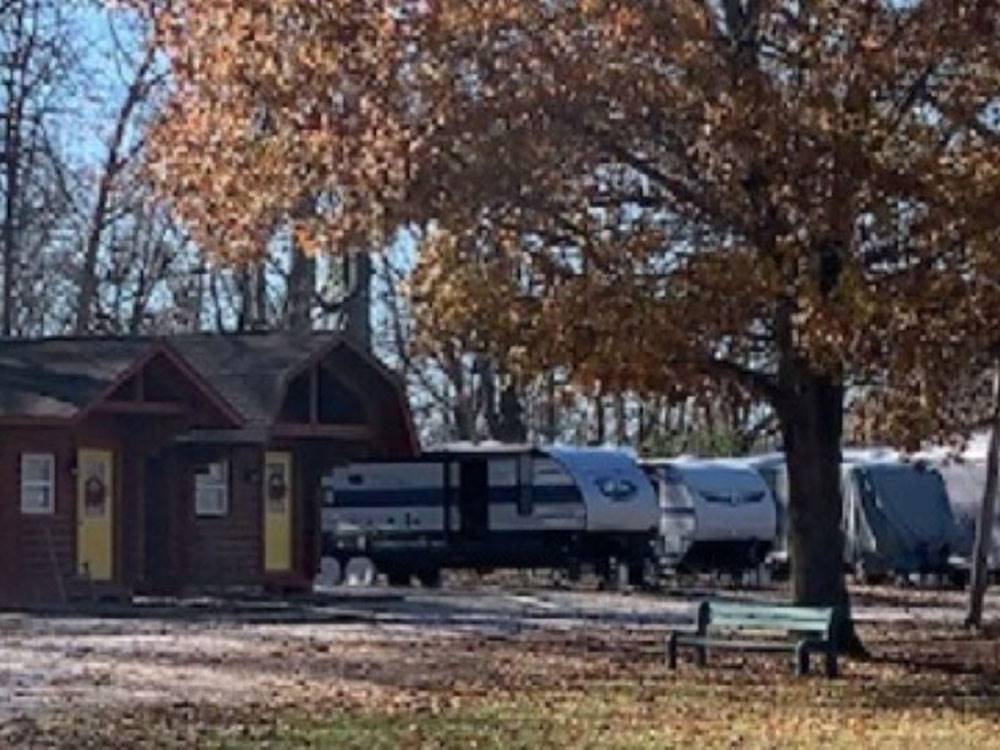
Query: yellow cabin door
[(277, 512), (95, 513)]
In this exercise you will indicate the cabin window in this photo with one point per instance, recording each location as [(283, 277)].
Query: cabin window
[(296, 408), (38, 483), (338, 404), (525, 486), (211, 489)]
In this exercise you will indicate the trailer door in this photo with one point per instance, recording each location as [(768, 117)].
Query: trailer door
[(474, 497)]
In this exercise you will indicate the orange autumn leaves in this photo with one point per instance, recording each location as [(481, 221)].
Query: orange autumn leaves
[(648, 194)]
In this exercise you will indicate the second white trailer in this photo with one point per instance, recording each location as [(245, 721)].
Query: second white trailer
[(716, 514)]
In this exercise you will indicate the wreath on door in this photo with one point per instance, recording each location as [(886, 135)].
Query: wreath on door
[(277, 489), (94, 495)]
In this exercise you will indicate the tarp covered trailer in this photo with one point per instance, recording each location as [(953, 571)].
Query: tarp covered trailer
[(897, 518), (717, 514), (491, 507)]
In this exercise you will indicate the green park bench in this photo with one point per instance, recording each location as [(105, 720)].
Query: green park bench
[(726, 625)]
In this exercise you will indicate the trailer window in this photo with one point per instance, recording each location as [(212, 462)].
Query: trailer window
[(211, 489), (733, 498), (525, 486), (38, 483)]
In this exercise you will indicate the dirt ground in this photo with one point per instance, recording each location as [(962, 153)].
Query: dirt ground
[(202, 669)]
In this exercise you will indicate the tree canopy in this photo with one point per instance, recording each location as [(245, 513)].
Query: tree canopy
[(790, 196)]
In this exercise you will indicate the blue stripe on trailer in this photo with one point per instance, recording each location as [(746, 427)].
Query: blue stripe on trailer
[(421, 497), (431, 497)]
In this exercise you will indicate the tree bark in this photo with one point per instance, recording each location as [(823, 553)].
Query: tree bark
[(511, 427), (113, 164), (812, 412), (12, 173), (987, 517), (551, 409), (357, 306), (600, 421), (621, 420), (260, 296), (301, 288)]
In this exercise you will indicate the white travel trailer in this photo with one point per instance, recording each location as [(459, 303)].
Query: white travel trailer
[(897, 518), (488, 507), (717, 514)]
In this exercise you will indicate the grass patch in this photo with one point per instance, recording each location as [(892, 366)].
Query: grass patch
[(677, 712)]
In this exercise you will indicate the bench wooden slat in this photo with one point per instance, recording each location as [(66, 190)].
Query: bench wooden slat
[(746, 645), (808, 614), (796, 626)]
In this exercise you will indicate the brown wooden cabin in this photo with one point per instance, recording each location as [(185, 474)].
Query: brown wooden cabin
[(161, 465)]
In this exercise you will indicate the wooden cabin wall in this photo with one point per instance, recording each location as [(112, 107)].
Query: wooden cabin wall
[(8, 535), (225, 550), (133, 440), (37, 549)]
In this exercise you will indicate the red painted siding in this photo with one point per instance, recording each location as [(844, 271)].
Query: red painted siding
[(225, 550)]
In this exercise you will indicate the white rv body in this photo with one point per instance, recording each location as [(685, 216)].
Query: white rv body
[(491, 506), (715, 513)]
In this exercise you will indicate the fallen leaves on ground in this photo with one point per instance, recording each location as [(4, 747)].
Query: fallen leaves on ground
[(925, 687)]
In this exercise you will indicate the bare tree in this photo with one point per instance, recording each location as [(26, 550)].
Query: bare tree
[(36, 50), (119, 152)]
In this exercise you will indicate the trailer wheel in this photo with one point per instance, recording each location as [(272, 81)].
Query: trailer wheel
[(780, 571), (430, 578), (331, 572), (359, 571), (864, 574), (959, 578), (574, 571), (637, 573), (398, 578)]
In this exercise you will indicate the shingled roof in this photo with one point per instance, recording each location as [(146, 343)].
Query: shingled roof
[(60, 377), (250, 371)]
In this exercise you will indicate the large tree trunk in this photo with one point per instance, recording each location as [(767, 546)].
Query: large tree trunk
[(987, 517), (812, 412)]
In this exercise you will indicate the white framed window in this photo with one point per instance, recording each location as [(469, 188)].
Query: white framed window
[(38, 483), (211, 489)]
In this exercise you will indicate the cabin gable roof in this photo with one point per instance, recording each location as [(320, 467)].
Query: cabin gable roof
[(245, 377), (251, 370), (58, 378)]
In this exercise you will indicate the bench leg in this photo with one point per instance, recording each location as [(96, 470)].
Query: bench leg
[(802, 659), (672, 651)]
